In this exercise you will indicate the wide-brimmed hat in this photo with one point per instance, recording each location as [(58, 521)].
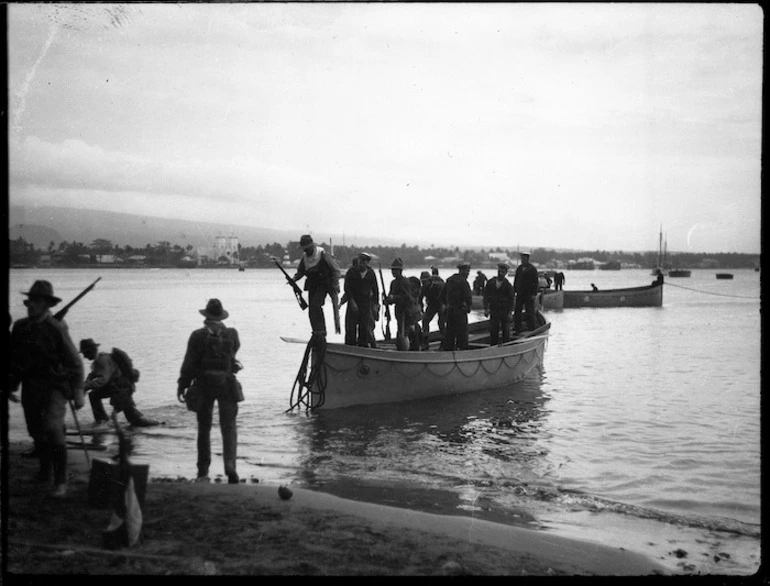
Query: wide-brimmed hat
[(397, 263), (42, 289), (365, 256), (424, 275), (464, 265), (88, 343), (305, 240), (524, 253), (214, 310)]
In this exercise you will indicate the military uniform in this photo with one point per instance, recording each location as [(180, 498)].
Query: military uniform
[(525, 285), (210, 362), (458, 299), (498, 305), (46, 363)]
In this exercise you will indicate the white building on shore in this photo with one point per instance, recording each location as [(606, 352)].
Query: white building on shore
[(226, 251)]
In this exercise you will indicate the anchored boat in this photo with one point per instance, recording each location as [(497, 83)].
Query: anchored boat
[(646, 296)]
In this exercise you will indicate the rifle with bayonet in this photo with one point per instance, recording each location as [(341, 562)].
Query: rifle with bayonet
[(294, 286), (387, 309), (59, 315)]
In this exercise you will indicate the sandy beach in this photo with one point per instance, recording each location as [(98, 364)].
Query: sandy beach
[(220, 529)]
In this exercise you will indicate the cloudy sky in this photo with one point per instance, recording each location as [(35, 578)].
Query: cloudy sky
[(562, 125)]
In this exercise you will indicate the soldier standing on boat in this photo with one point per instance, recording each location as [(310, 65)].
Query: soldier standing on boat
[(525, 285), (362, 295), (408, 313), (431, 294), (45, 361), (479, 283), (322, 278), (558, 281), (351, 313), (498, 305), (458, 298)]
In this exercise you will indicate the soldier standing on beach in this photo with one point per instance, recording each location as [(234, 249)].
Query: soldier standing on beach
[(210, 363), (45, 361)]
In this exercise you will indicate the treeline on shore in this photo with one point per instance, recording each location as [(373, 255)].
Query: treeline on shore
[(102, 252)]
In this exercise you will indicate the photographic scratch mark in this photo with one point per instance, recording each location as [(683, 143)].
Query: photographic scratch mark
[(24, 89)]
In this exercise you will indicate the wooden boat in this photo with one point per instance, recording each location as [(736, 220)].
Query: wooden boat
[(551, 299), (679, 272), (646, 296), (354, 375), (582, 264), (724, 275), (610, 265)]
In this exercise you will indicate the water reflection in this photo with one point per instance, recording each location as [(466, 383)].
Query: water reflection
[(438, 453)]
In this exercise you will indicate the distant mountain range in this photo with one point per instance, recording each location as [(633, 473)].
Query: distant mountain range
[(43, 225)]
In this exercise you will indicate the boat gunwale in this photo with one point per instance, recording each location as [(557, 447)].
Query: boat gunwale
[(519, 346)]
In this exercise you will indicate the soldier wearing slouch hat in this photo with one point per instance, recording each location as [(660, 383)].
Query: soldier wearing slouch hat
[(45, 362), (322, 278), (210, 366)]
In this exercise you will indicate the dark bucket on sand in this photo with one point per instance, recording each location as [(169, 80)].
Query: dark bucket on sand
[(105, 488)]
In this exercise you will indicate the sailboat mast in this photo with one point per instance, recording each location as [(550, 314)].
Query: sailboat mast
[(660, 246)]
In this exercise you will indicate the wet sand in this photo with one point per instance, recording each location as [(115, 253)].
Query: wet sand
[(247, 529)]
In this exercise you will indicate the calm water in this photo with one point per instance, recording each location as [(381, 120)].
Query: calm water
[(638, 415)]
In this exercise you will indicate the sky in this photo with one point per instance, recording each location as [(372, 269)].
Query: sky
[(588, 126)]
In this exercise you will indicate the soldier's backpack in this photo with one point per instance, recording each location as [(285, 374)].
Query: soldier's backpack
[(125, 364)]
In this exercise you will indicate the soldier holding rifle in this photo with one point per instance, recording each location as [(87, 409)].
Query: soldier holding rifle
[(322, 278), (46, 363)]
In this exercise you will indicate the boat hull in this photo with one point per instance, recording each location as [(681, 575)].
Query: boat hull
[(647, 296), (679, 273), (364, 376), (551, 299), (724, 276)]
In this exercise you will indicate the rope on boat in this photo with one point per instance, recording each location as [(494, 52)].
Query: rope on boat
[(670, 284), (302, 392), (414, 369)]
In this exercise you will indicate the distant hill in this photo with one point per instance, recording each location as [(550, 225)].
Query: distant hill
[(41, 225)]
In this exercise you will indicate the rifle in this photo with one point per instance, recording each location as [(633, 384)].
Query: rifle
[(297, 290), (387, 309), (336, 309), (59, 315)]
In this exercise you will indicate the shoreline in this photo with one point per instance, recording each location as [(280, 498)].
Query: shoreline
[(248, 530)]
